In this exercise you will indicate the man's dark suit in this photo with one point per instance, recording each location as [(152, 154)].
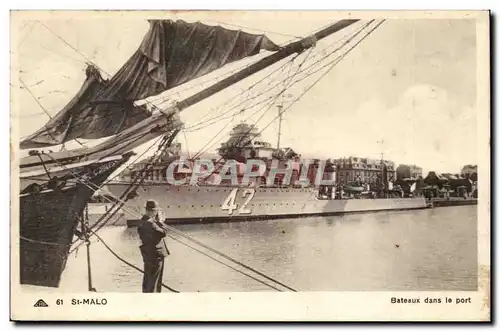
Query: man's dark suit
[(153, 251)]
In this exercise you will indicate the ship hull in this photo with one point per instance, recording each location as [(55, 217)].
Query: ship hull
[(48, 220), (188, 204)]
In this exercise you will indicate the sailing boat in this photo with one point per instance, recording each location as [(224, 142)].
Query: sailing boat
[(55, 187)]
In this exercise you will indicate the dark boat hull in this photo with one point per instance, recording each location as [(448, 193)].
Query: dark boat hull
[(48, 220)]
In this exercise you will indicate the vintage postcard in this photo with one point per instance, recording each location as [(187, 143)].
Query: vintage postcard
[(250, 166)]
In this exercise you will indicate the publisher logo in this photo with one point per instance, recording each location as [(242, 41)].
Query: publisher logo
[(41, 303)]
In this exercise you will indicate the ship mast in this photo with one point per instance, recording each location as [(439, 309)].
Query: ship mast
[(381, 142), (159, 120), (151, 127), (383, 169), (280, 119), (280, 116)]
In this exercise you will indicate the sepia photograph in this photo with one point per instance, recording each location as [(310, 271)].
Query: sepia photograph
[(188, 159)]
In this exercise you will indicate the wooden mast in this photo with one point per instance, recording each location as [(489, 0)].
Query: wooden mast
[(151, 127)]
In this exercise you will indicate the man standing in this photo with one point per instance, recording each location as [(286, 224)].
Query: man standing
[(153, 248)]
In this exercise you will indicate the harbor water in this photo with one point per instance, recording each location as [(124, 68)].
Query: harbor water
[(430, 249)]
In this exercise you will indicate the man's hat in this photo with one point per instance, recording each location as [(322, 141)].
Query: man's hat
[(151, 205)]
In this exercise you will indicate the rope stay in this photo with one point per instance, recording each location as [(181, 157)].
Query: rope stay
[(125, 261), (135, 161), (94, 232), (332, 64), (137, 181), (291, 81), (172, 229), (246, 100), (139, 178), (87, 229), (225, 264), (48, 243), (168, 228), (85, 232), (43, 108), (267, 90), (166, 141)]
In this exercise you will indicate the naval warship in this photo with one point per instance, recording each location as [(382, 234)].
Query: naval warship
[(211, 200)]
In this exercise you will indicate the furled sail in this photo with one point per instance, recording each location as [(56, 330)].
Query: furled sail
[(82, 119), (173, 53)]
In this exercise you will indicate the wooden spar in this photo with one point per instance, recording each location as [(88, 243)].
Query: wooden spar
[(151, 127), (295, 47)]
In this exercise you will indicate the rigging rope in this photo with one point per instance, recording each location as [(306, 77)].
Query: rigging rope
[(94, 188), (61, 54), (207, 247), (71, 46), (125, 261), (90, 229), (314, 56), (38, 102), (43, 108), (200, 124), (269, 104), (42, 242), (250, 88), (133, 162), (87, 238), (195, 241), (333, 63), (277, 85), (137, 181), (101, 69), (170, 228), (289, 79), (85, 234), (225, 264), (249, 28), (302, 94), (309, 73), (291, 60), (27, 33), (86, 58), (196, 84), (186, 140), (205, 147)]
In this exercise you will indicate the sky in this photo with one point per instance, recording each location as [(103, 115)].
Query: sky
[(411, 84)]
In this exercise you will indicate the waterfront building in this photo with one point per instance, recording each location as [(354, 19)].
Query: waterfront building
[(405, 171), (353, 169), (469, 171)]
